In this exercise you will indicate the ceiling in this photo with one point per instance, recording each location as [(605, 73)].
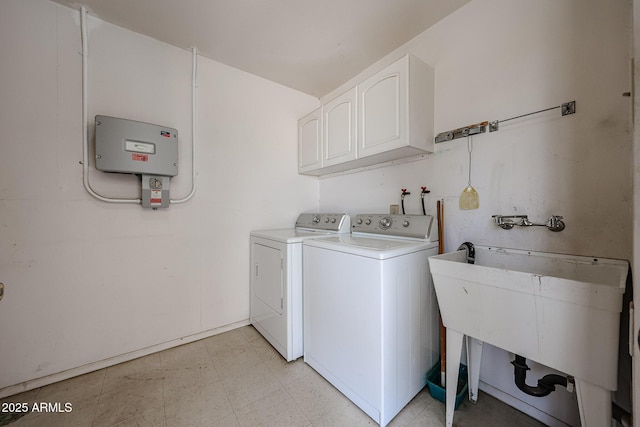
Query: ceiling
[(310, 45)]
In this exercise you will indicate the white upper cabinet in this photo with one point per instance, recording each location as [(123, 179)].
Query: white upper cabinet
[(310, 142), (396, 110), (388, 116), (382, 109), (339, 129)]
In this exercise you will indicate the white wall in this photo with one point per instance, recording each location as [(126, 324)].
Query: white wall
[(86, 280), (636, 213), (496, 59)]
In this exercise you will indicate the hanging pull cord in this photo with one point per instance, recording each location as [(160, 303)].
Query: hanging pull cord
[(469, 149)]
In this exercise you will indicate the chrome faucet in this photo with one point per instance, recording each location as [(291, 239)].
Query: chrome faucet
[(555, 223), (471, 251), (507, 222)]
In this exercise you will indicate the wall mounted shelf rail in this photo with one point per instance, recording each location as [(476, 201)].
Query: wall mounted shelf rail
[(566, 109)]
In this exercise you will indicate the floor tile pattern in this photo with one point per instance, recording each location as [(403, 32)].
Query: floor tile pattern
[(231, 379)]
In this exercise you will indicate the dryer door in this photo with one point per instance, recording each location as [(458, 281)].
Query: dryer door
[(268, 277)]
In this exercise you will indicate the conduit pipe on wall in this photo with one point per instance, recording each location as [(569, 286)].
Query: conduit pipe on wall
[(194, 68), (85, 128)]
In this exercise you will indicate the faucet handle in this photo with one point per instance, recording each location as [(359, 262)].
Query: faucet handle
[(555, 223), (507, 222)]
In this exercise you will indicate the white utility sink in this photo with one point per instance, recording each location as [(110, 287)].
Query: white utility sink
[(562, 311)]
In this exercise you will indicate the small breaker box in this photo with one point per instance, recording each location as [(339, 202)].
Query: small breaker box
[(151, 151)]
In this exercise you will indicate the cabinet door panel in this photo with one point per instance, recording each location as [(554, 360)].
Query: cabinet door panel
[(383, 110), (381, 105), (309, 142), (340, 129)]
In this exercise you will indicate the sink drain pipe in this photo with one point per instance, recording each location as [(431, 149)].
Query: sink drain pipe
[(545, 385)]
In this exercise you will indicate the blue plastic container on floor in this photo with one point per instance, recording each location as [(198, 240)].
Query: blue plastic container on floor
[(438, 392)]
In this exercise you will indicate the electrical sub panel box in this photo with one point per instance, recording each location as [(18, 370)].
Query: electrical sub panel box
[(155, 191), (128, 146)]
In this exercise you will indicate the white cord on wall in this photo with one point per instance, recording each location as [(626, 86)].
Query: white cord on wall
[(85, 128)]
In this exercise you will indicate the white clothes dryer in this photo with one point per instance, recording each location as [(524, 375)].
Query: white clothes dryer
[(370, 311), (276, 279)]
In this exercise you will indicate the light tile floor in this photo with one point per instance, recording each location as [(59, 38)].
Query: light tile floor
[(232, 379)]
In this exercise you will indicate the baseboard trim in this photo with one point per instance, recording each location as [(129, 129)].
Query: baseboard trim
[(105, 363)]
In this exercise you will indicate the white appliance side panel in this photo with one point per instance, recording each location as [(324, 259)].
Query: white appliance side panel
[(276, 294), (410, 330), (430, 317), (342, 331), (293, 302)]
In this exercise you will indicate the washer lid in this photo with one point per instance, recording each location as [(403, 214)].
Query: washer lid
[(290, 235), (371, 247)]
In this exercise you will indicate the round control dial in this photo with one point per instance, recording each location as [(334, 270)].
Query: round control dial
[(316, 219), (405, 223), (155, 183), (386, 222)]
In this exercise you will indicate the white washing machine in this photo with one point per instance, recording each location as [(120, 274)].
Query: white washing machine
[(276, 278), (370, 312)]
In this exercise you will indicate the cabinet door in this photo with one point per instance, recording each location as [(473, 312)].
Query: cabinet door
[(383, 110), (339, 132), (310, 142)]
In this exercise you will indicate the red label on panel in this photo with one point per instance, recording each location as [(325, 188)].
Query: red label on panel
[(156, 201), (140, 157)]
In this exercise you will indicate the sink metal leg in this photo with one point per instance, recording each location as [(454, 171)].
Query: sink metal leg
[(474, 356), (594, 403), (454, 351)]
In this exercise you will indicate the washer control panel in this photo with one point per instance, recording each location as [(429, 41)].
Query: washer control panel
[(338, 222), (415, 226)]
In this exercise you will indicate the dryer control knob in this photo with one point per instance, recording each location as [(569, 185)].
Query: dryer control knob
[(326, 220), (359, 221), (368, 222), (385, 222), (333, 220), (316, 219), (405, 223)]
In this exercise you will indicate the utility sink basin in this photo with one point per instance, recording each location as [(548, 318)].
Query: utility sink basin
[(562, 311)]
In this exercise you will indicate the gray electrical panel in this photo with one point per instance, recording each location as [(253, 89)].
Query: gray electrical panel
[(155, 191), (127, 146), (151, 151)]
